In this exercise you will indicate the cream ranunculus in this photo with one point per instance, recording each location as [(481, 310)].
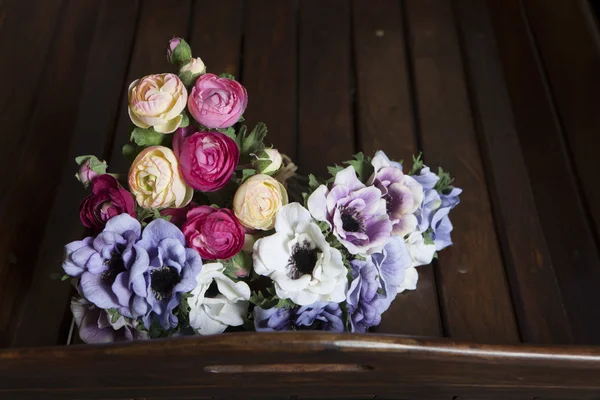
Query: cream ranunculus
[(212, 315), (157, 101), (155, 181), (258, 200), (195, 67)]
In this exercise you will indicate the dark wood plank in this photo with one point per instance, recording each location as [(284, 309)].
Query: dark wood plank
[(43, 319), (326, 128), (29, 202), (217, 34), (536, 296), (26, 33), (300, 363), (474, 295), (385, 122), (565, 223), (566, 33), (158, 23), (269, 72)]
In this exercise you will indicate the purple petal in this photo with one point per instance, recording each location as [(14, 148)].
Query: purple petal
[(97, 291)]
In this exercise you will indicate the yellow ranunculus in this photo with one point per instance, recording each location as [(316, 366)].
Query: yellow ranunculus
[(155, 181), (257, 201), (157, 101)]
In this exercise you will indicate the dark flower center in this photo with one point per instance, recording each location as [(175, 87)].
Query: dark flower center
[(351, 220), (163, 280), (388, 203), (115, 265), (303, 260)]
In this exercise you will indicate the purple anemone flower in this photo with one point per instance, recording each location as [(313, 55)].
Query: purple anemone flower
[(96, 326), (441, 227), (357, 213), (102, 260), (324, 316), (153, 289), (402, 193), (376, 282)]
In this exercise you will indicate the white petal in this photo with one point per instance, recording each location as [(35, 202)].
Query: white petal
[(317, 203), (290, 216), (411, 277), (271, 254), (347, 177)]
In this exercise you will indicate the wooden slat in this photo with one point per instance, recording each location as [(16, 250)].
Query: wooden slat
[(301, 363), (26, 33), (157, 25), (217, 34), (474, 295), (39, 168), (566, 33), (269, 71), (385, 122), (537, 299), (326, 129), (42, 316), (572, 248)]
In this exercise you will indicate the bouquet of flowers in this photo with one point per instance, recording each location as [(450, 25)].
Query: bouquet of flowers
[(213, 230)]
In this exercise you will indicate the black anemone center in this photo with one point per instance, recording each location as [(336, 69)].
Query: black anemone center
[(351, 221), (115, 265), (388, 203), (303, 260), (163, 280)]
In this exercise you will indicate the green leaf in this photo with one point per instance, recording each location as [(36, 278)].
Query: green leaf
[(185, 120), (187, 78), (334, 170), (229, 132), (444, 184), (324, 226), (427, 237), (239, 139), (242, 119), (261, 165), (313, 183), (362, 166), (227, 75), (285, 303), (240, 264), (254, 142), (65, 277), (148, 137), (260, 300), (417, 165), (114, 315), (247, 173)]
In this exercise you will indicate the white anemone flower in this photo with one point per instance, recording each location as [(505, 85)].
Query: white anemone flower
[(212, 315), (302, 264)]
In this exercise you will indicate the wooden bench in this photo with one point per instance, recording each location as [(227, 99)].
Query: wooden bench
[(505, 94)]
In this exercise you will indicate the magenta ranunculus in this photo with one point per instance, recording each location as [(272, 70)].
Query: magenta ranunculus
[(217, 102), (206, 159), (215, 233), (107, 200)]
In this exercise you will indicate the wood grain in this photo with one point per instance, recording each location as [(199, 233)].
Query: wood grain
[(325, 120), (45, 314), (476, 304), (536, 296), (29, 201), (389, 366), (565, 223), (566, 34), (385, 121), (216, 34), (269, 71)]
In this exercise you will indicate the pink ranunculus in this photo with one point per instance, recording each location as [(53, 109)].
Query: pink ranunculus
[(217, 102), (215, 233), (107, 200), (206, 159)]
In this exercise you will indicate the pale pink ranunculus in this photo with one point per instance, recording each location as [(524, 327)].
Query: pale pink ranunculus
[(157, 101), (207, 160), (155, 180), (217, 102)]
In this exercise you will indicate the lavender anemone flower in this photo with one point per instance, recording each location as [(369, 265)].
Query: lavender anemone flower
[(323, 316), (402, 193), (377, 281), (95, 325), (101, 261), (153, 290), (357, 213), (431, 199), (441, 227)]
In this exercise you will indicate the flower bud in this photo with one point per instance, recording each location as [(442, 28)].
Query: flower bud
[(268, 162), (192, 70), (89, 168), (178, 51)]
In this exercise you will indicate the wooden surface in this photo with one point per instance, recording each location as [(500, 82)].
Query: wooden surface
[(502, 93)]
